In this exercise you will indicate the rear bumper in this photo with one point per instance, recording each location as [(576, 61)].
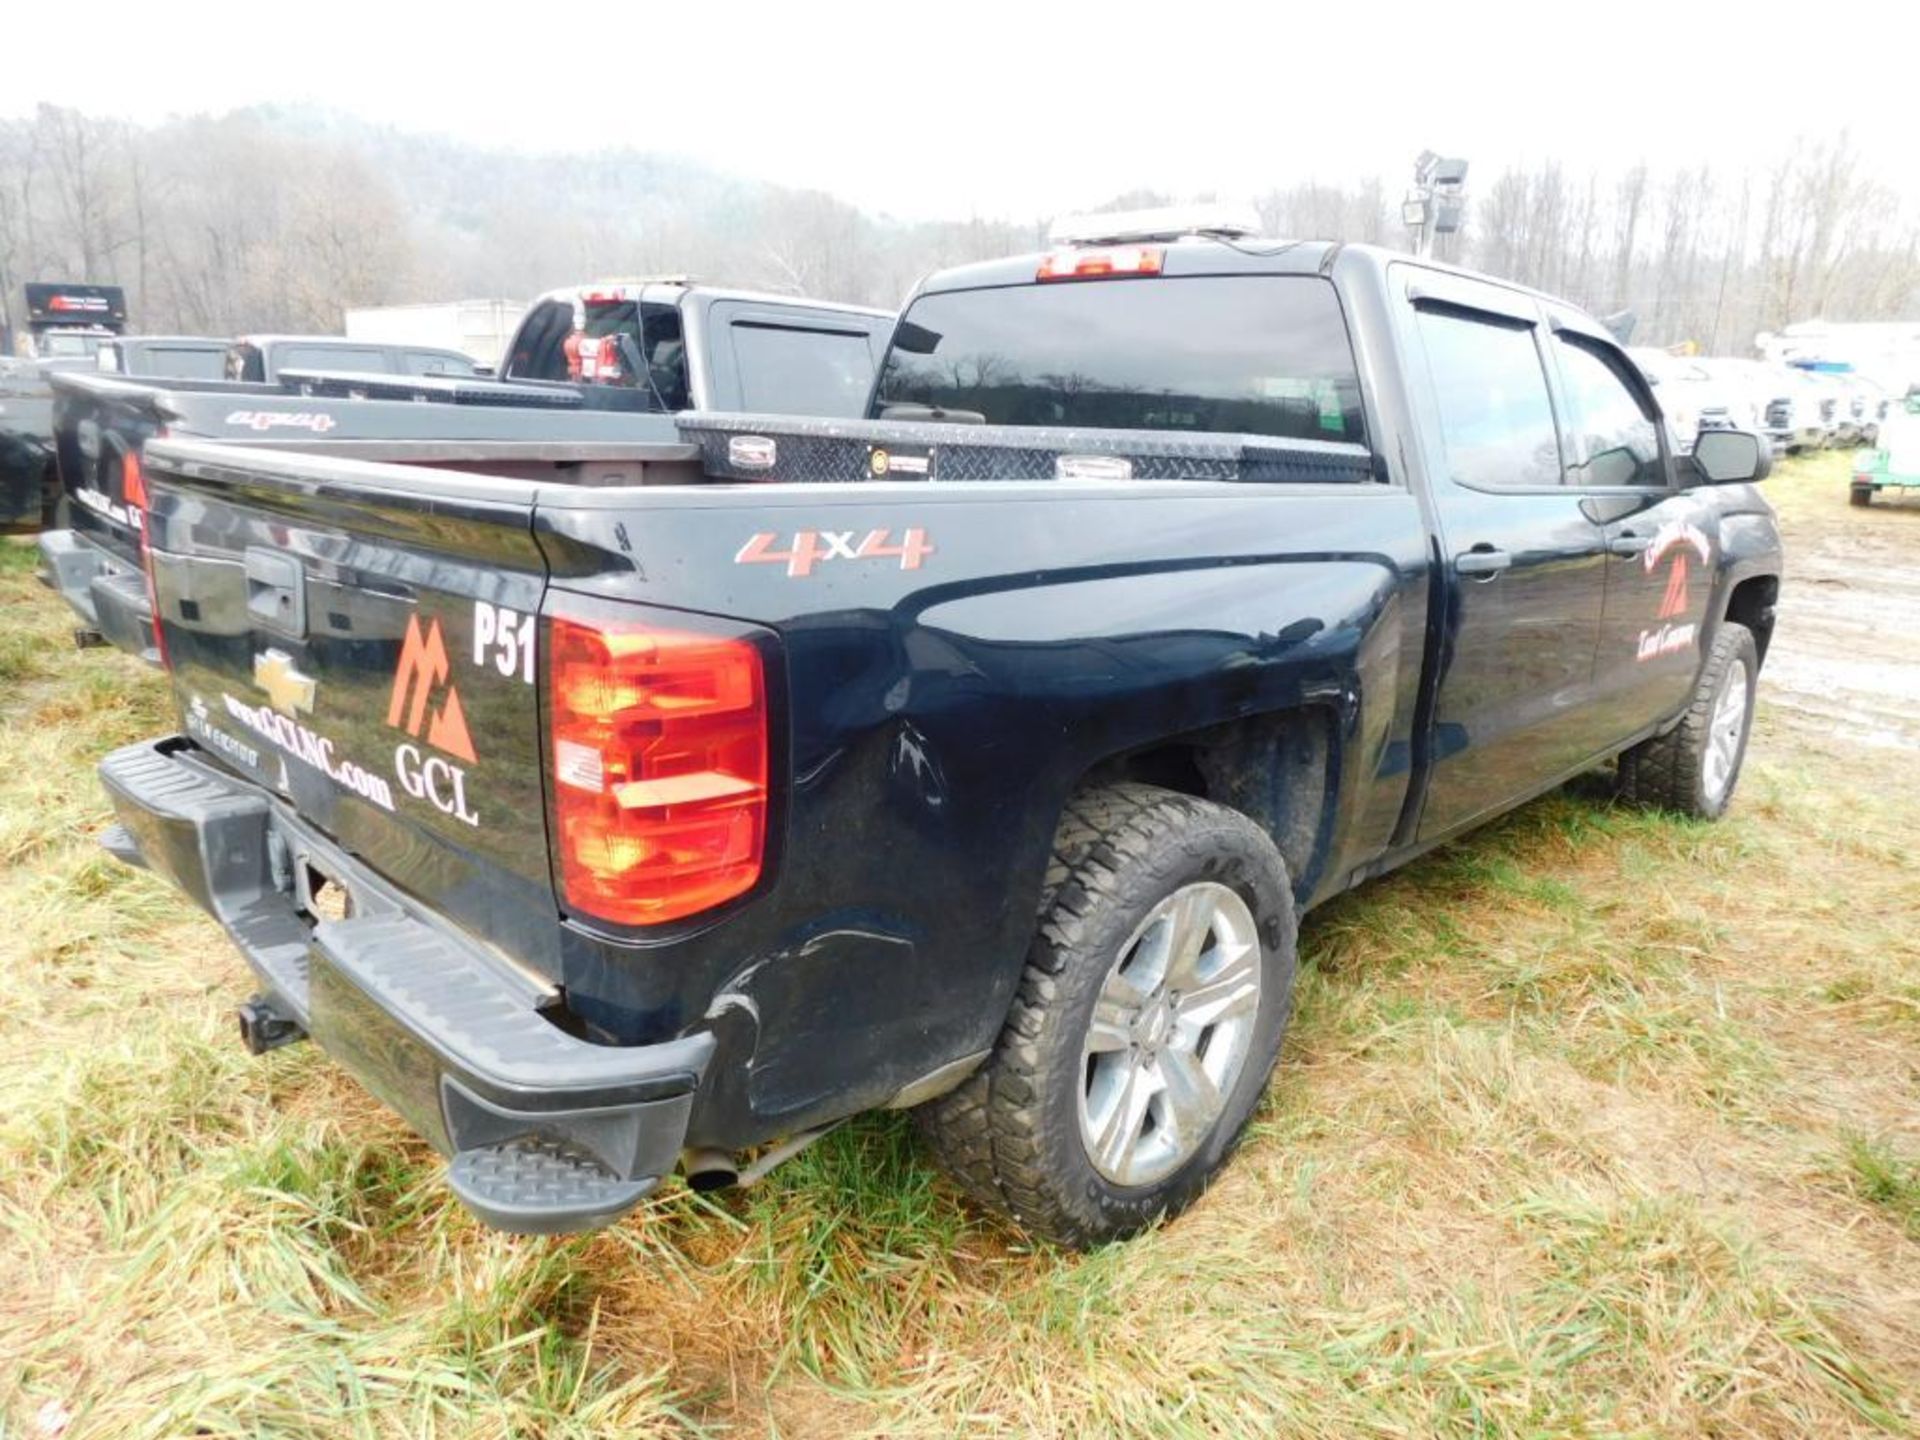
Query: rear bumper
[(545, 1132), (108, 594)]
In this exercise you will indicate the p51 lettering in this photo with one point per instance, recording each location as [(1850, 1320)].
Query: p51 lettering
[(503, 638)]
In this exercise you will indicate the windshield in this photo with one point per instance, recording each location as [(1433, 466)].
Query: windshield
[(1244, 354), (65, 344)]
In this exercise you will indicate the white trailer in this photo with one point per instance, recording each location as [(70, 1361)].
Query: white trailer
[(480, 328)]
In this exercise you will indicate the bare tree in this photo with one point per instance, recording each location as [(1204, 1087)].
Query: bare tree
[(257, 220)]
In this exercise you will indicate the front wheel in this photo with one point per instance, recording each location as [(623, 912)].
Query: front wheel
[(1145, 1026), (1693, 768)]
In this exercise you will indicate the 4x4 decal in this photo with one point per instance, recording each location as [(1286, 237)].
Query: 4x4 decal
[(816, 547)]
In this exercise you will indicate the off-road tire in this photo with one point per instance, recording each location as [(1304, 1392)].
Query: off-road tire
[(1010, 1134), (1860, 495), (1668, 772)]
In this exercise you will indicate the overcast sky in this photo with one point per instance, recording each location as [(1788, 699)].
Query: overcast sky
[(1022, 111)]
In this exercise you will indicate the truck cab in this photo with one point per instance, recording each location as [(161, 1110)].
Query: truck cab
[(696, 347)]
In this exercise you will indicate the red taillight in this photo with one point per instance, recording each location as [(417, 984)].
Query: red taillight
[(133, 491), (133, 485), (1097, 264), (659, 768)]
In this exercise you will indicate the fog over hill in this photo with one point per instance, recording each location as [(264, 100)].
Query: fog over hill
[(278, 217)]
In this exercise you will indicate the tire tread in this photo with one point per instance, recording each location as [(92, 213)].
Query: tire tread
[(1663, 772), (993, 1132)]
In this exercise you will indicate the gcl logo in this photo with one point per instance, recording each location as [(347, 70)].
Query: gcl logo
[(422, 669)]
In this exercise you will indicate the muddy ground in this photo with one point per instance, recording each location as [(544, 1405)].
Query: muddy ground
[(1847, 646)]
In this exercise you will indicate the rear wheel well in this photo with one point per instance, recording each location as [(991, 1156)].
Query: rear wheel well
[(1751, 604), (1275, 769)]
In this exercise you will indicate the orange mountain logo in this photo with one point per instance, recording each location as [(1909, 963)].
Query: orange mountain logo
[(423, 667), (1681, 536), (1674, 602)]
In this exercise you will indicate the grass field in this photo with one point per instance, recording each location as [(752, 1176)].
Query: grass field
[(1599, 1123)]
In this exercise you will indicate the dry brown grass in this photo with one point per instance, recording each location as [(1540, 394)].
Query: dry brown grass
[(1600, 1123)]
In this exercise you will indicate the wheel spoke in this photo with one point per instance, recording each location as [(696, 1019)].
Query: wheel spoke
[(1232, 989), (1192, 919), (1186, 984), (1116, 1130), (1124, 993), (1112, 1025), (1193, 1101), (1725, 732)]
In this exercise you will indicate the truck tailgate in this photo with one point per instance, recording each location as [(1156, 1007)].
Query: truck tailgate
[(360, 639)]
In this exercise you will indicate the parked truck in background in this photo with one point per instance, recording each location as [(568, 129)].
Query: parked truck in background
[(978, 757), (478, 329), (702, 348), (261, 359), (163, 357), (66, 326), (801, 357), (68, 321)]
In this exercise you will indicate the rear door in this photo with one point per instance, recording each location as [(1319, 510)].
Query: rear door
[(1523, 565), (359, 639)]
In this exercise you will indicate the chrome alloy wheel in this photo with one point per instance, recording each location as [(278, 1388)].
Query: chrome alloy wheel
[(1170, 1032), (1724, 734)]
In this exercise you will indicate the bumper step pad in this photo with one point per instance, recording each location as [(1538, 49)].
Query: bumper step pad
[(548, 1132), (533, 1186)]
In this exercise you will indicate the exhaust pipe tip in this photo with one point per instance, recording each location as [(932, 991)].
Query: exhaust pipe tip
[(709, 1170)]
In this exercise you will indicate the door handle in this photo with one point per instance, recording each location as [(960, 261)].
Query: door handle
[(1483, 562), (1629, 544), (276, 591)]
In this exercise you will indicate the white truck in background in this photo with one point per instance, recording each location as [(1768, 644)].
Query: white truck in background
[(479, 328)]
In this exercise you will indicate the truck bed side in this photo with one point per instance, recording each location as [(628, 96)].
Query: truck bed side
[(949, 663)]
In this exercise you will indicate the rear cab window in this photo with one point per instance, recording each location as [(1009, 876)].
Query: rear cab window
[(435, 362), (180, 362), (550, 346), (332, 357), (1235, 354)]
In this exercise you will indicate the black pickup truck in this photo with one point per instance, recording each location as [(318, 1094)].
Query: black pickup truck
[(704, 346), (979, 757), (67, 324)]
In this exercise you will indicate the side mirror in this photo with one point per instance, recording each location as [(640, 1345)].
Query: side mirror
[(1731, 457)]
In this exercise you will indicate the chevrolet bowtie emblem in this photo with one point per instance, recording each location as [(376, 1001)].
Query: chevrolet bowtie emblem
[(287, 689)]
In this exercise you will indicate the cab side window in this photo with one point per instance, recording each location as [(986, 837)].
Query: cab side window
[(1495, 416), (1615, 440)]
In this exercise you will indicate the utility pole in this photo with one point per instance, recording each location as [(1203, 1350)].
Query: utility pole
[(1437, 203)]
